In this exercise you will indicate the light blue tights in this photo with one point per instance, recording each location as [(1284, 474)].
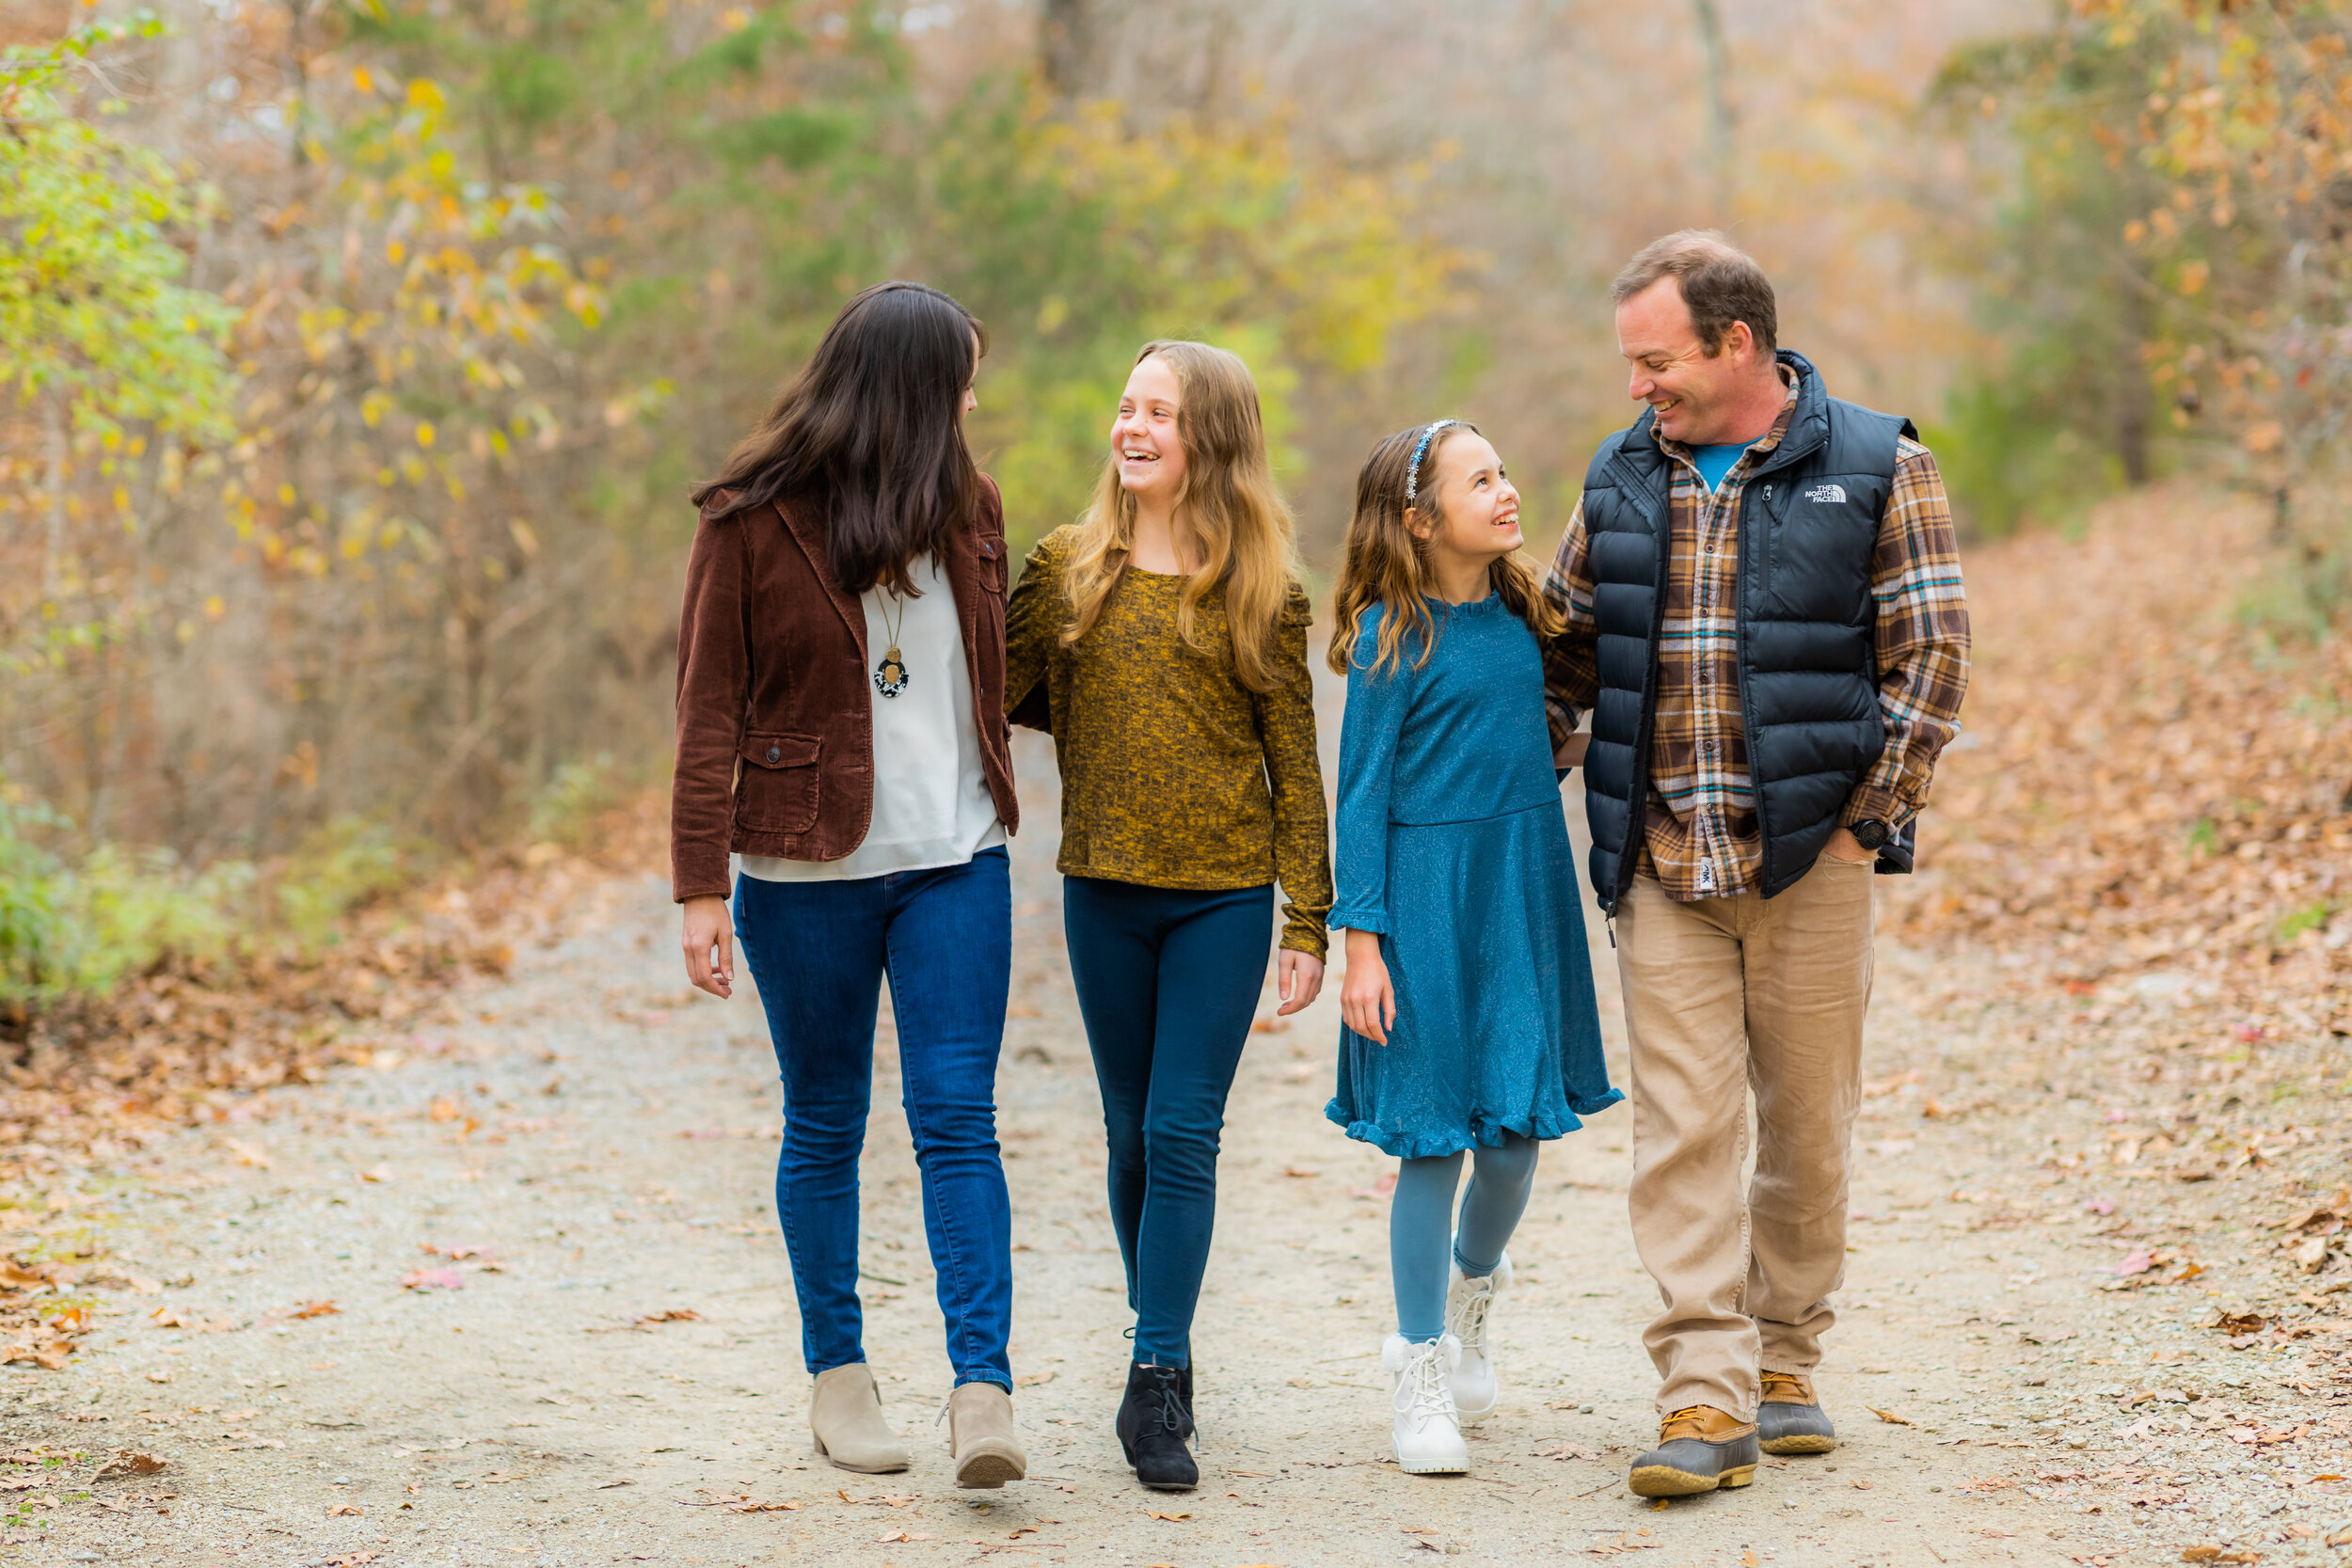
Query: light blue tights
[(1424, 1234)]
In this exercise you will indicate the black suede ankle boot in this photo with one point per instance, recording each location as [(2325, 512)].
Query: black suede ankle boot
[(1154, 1421)]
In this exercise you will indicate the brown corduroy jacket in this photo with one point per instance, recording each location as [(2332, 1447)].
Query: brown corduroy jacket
[(775, 721)]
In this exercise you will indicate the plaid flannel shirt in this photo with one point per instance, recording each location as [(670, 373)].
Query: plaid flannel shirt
[(1699, 831)]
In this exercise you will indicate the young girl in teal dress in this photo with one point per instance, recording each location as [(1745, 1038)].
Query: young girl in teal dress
[(1469, 1016)]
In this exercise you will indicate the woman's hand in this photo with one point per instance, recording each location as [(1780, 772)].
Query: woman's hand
[(1571, 754), (1301, 976), (1367, 1001), (708, 928)]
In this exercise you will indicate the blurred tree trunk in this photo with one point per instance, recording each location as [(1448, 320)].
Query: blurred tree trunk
[(2135, 398), (1717, 107), (1066, 47)]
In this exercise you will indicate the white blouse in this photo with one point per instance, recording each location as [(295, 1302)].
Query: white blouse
[(931, 805)]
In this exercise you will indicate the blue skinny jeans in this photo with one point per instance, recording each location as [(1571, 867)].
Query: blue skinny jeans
[(1168, 982), (819, 952)]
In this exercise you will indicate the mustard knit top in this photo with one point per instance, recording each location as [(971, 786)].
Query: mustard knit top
[(1173, 774)]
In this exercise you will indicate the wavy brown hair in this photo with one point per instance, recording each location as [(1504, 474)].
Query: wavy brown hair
[(871, 431), (1228, 512), (1387, 561)]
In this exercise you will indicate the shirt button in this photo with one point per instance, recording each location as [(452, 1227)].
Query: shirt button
[(776, 753)]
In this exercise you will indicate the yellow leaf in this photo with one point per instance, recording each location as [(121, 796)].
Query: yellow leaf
[(424, 433)]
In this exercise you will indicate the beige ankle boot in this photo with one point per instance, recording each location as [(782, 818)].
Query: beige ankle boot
[(980, 1433), (846, 1414)]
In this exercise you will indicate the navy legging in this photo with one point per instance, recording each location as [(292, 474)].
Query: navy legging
[(1167, 983)]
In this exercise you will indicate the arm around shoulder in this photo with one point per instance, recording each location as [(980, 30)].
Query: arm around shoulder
[(1033, 620)]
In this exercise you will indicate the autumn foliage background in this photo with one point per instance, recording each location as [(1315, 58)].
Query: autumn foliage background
[(358, 355)]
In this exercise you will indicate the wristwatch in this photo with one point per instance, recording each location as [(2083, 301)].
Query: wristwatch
[(1871, 834)]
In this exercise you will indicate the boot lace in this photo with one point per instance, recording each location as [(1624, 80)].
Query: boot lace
[(1163, 1409), (1422, 1394), (1786, 1382), (1694, 1414), (1468, 1322)]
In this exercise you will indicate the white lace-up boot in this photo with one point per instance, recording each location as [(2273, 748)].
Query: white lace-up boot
[(1466, 1304), (1428, 1438)]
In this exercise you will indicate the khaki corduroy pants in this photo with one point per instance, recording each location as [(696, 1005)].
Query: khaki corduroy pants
[(1723, 996)]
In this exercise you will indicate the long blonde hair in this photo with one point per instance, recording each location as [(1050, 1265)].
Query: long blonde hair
[(1227, 505), (1388, 563)]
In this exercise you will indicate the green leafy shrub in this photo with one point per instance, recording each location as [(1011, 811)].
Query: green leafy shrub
[(566, 809), (339, 867), (82, 930)]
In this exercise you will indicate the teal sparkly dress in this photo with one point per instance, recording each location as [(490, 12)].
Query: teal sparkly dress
[(1452, 844)]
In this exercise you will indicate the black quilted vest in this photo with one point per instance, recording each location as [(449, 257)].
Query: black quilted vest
[(1808, 668)]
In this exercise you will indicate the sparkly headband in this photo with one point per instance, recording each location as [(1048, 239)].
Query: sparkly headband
[(1420, 450)]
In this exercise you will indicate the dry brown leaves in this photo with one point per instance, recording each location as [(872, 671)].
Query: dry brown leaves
[(176, 1046), (2150, 793)]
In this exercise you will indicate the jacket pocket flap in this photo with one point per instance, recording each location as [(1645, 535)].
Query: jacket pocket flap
[(780, 750)]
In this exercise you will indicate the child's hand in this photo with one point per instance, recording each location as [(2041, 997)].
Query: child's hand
[(1301, 976), (1367, 1001), (1572, 754)]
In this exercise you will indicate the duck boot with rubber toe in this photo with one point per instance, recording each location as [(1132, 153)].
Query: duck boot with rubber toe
[(1790, 1419), (845, 1414), (1699, 1450), (1154, 1423)]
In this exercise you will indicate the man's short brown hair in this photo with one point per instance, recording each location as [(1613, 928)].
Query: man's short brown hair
[(1720, 282)]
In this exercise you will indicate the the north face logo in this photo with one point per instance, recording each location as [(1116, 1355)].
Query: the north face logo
[(1826, 495)]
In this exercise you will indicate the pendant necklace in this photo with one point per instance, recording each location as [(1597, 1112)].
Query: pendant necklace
[(890, 676)]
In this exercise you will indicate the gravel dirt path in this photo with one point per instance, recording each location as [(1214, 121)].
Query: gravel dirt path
[(561, 1332)]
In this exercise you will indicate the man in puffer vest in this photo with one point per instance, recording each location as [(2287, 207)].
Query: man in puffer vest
[(1766, 624)]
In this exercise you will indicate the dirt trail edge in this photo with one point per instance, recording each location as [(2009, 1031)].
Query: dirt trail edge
[(515, 1294)]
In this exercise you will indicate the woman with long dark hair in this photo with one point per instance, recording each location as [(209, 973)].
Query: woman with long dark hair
[(841, 730)]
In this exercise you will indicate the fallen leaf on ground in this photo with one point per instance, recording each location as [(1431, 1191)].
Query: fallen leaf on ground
[(379, 1173), (19, 1278), (609, 1485), (433, 1279), (1032, 1380), (1890, 1418), (127, 1462), (165, 1317), (346, 1510), (1562, 1449), (314, 1309), (1172, 1518), (1300, 1171), (646, 1323)]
